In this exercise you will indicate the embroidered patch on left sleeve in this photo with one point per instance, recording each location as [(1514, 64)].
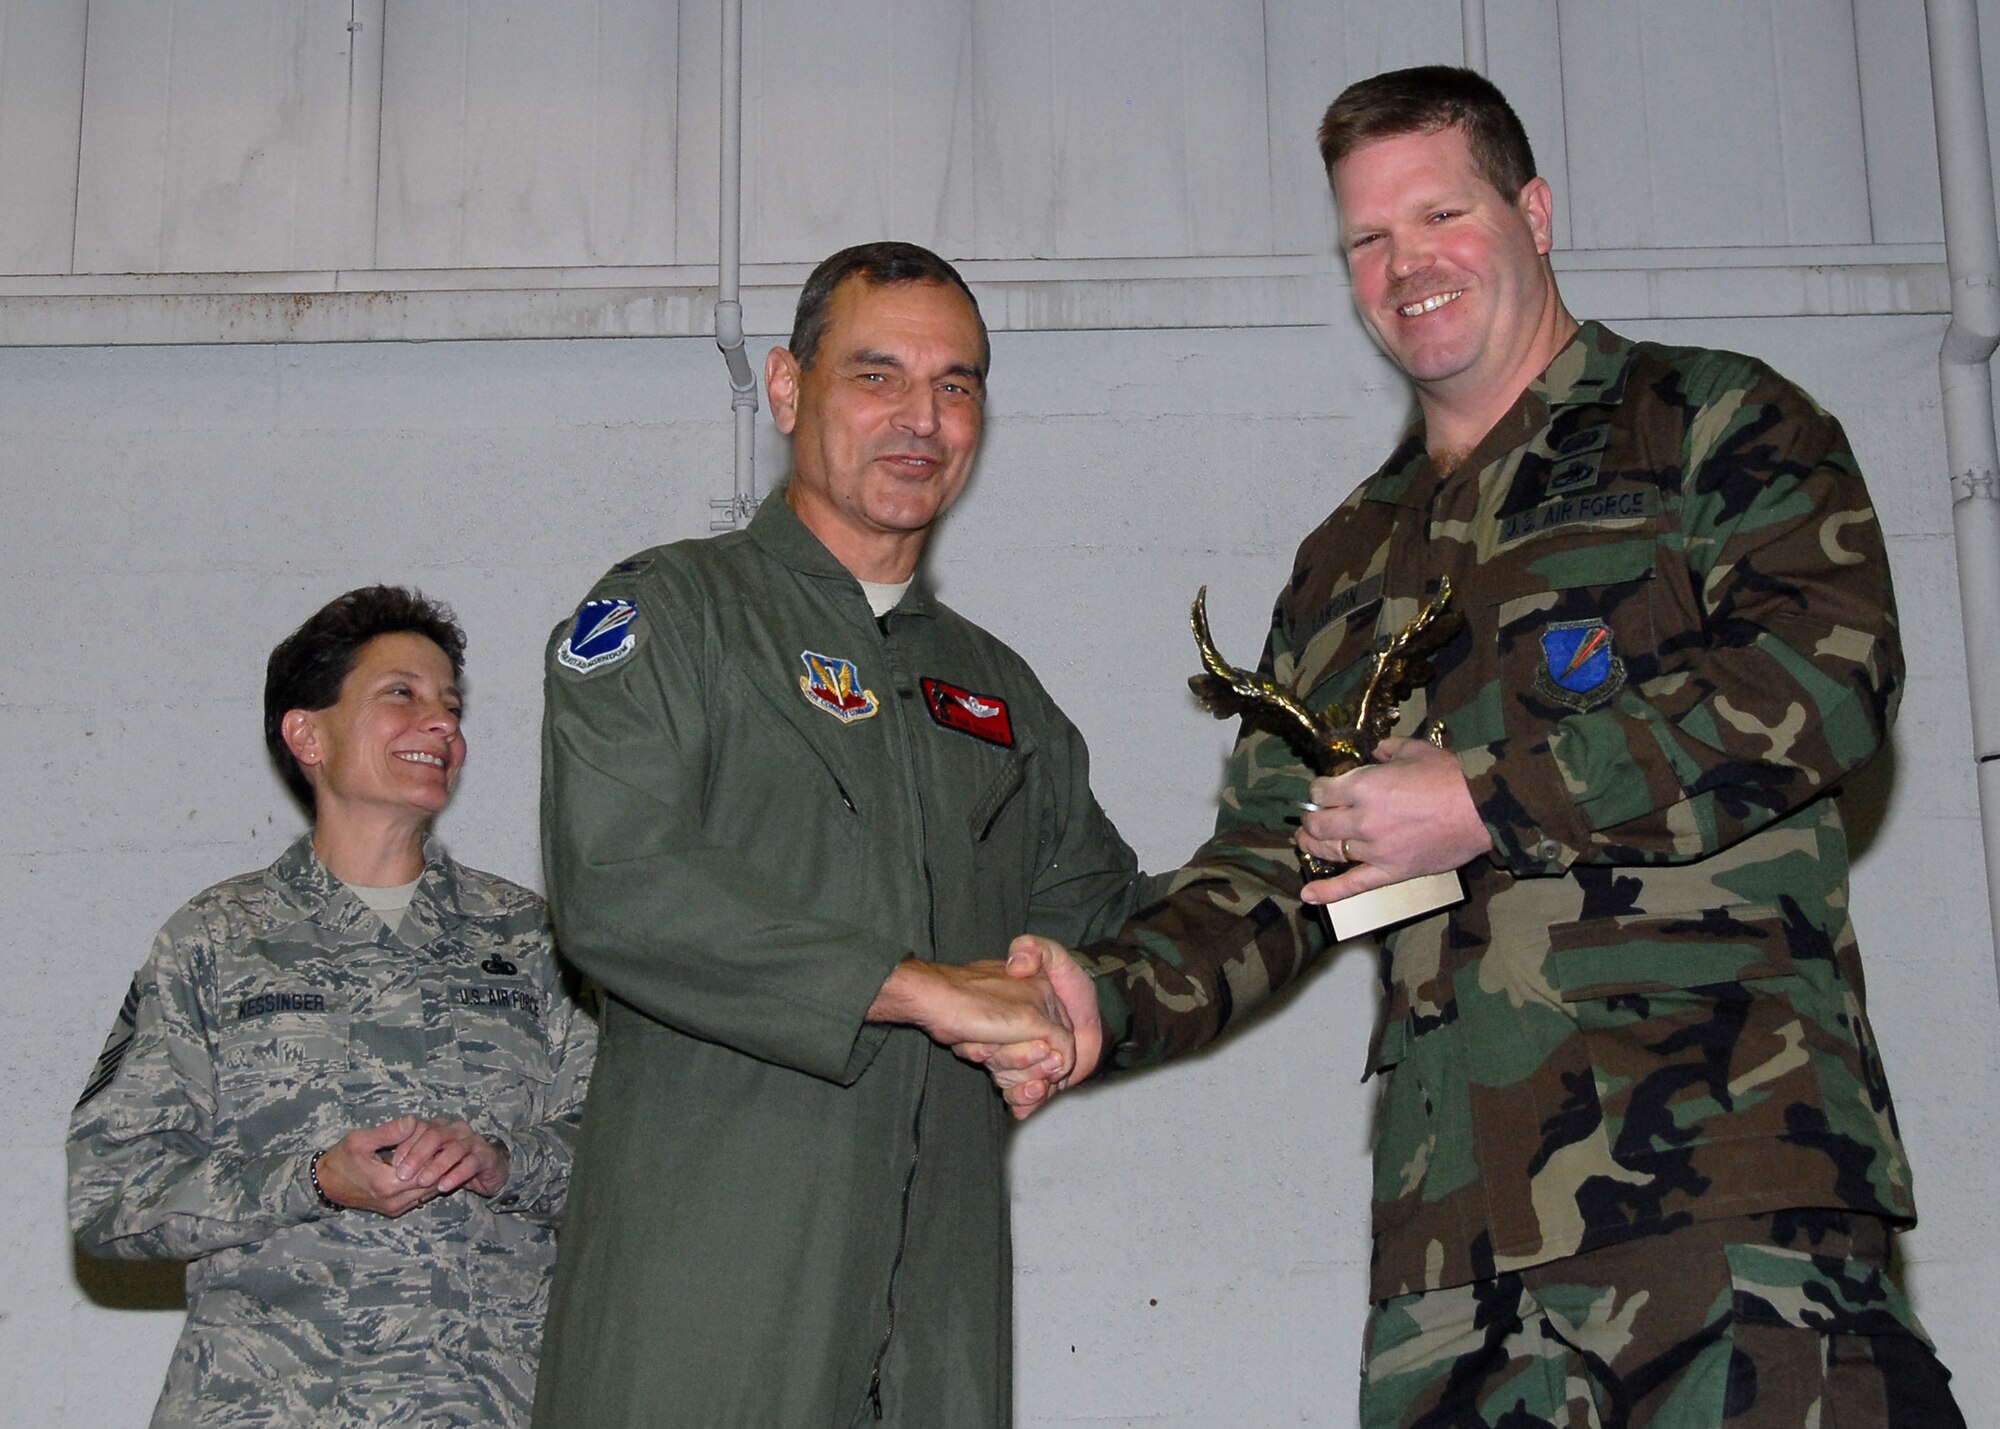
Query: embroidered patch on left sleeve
[(981, 716), (1579, 669), (605, 632)]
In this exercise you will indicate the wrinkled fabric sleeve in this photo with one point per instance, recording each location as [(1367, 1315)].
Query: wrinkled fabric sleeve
[(147, 1176), (1229, 929), (687, 932), (538, 1156), (1088, 879), (1787, 684)]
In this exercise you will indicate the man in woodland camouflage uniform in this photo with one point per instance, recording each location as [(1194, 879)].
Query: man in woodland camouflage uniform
[(1636, 1161)]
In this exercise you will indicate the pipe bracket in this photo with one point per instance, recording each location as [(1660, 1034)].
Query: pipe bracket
[(1975, 484)]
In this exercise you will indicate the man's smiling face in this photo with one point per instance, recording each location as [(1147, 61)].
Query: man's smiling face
[(886, 421), (1450, 275)]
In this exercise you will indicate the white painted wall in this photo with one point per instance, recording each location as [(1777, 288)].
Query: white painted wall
[(1192, 1242)]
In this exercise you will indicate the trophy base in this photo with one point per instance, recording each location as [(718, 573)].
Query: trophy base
[(1397, 903)]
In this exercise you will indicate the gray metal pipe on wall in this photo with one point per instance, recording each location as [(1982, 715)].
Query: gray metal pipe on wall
[(1972, 256), (729, 279)]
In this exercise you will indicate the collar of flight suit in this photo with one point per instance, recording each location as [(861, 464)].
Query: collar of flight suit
[(777, 530)]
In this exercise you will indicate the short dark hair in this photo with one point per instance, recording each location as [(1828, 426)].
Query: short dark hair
[(1423, 101), (877, 264), (308, 667)]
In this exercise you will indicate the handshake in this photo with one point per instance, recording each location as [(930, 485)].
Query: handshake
[(1030, 1021)]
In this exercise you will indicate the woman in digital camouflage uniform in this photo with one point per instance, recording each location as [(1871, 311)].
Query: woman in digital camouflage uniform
[(346, 1087)]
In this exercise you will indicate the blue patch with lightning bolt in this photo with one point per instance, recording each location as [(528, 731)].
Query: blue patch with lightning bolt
[(1579, 668), (605, 633)]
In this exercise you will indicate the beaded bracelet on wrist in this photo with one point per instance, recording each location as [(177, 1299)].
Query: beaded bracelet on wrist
[(319, 1190)]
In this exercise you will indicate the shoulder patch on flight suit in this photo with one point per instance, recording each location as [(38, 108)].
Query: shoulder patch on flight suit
[(1579, 667), (605, 632), (981, 716), (834, 685)]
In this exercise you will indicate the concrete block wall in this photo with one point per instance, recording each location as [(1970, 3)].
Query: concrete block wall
[(1191, 1243)]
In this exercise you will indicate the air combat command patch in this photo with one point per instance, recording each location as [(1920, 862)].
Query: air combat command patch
[(834, 685), (1579, 667), (605, 632)]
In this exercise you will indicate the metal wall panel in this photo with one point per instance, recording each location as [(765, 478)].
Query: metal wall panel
[(1899, 128), (214, 136), (521, 134), (271, 148), (857, 125), (1302, 75), (1713, 124), (41, 103)]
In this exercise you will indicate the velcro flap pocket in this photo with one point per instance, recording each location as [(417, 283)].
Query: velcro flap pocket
[(1596, 958), (1773, 1285)]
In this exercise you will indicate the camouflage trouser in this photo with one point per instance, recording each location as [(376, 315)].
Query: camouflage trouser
[(1786, 1321)]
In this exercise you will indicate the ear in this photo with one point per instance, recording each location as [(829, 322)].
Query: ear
[(781, 381), (1538, 204), (301, 733)]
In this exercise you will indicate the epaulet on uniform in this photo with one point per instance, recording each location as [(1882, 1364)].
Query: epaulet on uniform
[(504, 895)]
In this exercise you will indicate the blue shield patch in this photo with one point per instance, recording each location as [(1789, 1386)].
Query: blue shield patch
[(1579, 668), (605, 632)]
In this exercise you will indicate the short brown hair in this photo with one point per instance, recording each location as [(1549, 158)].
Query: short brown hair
[(1423, 101), (878, 265)]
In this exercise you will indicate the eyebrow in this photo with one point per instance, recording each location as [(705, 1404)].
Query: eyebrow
[(871, 358), (416, 677)]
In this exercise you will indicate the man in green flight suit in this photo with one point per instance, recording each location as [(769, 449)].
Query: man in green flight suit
[(1636, 1162), (785, 793)]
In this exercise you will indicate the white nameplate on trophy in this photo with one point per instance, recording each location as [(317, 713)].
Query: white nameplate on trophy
[(1396, 903)]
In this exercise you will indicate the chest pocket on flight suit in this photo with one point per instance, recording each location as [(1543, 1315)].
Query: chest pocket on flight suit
[(1003, 852)]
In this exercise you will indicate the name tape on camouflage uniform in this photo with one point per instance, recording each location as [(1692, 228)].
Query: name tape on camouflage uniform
[(1568, 510)]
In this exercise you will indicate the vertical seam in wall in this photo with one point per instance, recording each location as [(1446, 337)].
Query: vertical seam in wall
[(76, 186), (674, 150), (167, 136), (464, 146), (1270, 130), (381, 103), (1189, 243), (1778, 121), (1562, 124), (1861, 110), (1652, 234), (590, 213)]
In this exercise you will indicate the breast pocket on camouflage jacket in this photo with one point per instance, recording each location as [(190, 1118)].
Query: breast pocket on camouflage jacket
[(1701, 1027), (1573, 620), (281, 1055), (503, 1046)]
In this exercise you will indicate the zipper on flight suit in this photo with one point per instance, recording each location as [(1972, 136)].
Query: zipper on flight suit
[(907, 696)]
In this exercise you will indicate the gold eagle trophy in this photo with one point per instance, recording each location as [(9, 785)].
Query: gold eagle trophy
[(1340, 738)]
